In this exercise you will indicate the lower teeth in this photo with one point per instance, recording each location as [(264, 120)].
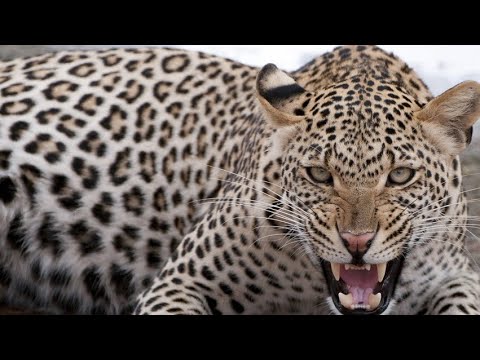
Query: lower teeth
[(374, 300), (347, 301), (361, 306)]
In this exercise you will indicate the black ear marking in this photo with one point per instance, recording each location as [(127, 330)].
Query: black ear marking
[(283, 100), (469, 135), (282, 92), (274, 85), (263, 75)]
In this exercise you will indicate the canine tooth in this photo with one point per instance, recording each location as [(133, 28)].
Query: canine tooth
[(381, 268), (347, 266), (367, 267), (346, 300), (336, 270), (374, 300)]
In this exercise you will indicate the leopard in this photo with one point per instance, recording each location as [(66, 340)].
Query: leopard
[(164, 181)]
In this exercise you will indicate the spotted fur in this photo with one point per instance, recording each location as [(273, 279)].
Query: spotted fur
[(171, 181)]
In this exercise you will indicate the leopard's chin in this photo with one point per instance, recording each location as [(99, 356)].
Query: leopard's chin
[(362, 290)]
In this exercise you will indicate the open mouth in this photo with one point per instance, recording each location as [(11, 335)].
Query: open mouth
[(365, 289)]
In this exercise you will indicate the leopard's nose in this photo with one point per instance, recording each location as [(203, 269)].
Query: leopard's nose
[(357, 244)]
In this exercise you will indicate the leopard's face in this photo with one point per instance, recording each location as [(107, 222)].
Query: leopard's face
[(362, 178)]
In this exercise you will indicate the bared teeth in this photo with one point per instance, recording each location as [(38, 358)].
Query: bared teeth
[(374, 300), (346, 300), (336, 270), (355, 267), (381, 269)]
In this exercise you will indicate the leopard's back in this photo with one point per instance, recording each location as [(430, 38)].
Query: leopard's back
[(104, 157)]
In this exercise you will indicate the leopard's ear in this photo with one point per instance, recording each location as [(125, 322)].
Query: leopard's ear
[(281, 97), (449, 118)]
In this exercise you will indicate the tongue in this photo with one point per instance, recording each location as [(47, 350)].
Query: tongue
[(360, 283)]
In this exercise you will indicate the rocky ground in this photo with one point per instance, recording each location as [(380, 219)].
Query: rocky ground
[(470, 159)]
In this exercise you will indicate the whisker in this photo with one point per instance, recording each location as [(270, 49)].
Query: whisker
[(285, 236), (451, 217), (443, 199), (257, 217), (273, 226), (412, 215), (278, 196), (260, 183), (278, 214), (450, 226), (461, 247), (238, 201)]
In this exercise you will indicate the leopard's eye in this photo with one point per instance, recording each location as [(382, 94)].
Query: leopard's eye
[(401, 176), (318, 175)]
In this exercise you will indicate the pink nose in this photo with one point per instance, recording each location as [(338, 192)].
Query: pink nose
[(357, 244)]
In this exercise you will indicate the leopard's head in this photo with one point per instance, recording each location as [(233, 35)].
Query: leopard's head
[(364, 168)]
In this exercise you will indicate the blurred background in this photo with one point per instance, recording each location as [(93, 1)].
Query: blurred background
[(440, 66)]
